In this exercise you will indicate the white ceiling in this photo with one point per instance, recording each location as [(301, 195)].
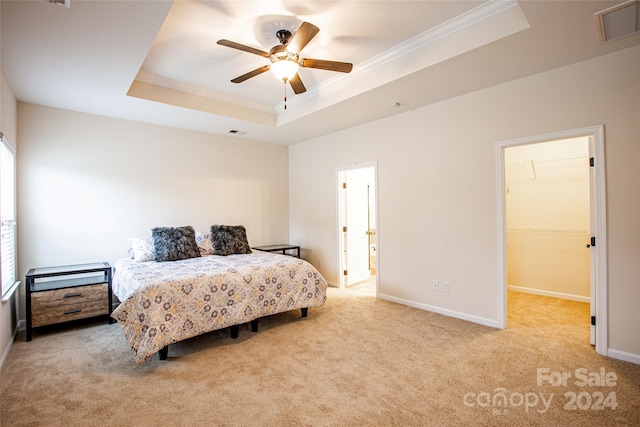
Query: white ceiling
[(158, 61)]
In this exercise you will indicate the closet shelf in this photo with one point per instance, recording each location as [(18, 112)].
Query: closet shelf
[(547, 231)]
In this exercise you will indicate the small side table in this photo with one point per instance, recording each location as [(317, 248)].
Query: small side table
[(66, 293), (282, 248)]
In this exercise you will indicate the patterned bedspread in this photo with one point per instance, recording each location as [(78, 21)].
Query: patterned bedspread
[(167, 302)]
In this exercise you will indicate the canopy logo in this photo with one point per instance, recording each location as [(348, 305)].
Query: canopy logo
[(500, 400)]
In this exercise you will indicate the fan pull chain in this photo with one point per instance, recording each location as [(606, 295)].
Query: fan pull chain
[(285, 94)]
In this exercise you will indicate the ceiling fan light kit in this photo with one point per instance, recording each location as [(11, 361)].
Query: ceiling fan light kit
[(284, 64), (285, 60), (284, 69)]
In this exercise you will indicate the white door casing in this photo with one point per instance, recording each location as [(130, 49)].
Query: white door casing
[(593, 226), (598, 273)]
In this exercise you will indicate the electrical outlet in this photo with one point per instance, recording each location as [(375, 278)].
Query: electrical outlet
[(445, 286), (435, 286)]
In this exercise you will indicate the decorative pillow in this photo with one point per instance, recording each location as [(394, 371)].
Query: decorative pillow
[(229, 239), (174, 243), (205, 245), (142, 248)]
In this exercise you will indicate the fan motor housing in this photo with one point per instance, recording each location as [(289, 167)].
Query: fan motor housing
[(284, 36)]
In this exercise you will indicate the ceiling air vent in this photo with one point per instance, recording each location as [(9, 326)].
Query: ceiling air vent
[(65, 3), (619, 21)]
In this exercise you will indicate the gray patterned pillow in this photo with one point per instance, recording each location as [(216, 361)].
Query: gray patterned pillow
[(174, 243), (229, 239)]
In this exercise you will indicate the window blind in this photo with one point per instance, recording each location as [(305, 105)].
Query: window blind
[(7, 215)]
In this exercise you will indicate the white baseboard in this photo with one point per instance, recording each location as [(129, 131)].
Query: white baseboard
[(553, 294), (6, 353), (10, 345), (623, 355), (446, 312)]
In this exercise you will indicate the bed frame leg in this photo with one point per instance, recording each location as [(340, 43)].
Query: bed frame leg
[(164, 352), (254, 325), (305, 311), (234, 331)]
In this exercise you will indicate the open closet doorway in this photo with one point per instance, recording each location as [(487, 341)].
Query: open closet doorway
[(357, 228), (551, 217)]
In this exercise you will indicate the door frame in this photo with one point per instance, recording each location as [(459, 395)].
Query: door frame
[(598, 219), (340, 217)]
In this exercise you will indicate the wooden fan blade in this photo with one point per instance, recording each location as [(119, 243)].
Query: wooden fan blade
[(242, 47), (341, 67), (296, 84), (250, 74), (303, 36)]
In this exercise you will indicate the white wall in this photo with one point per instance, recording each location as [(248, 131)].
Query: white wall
[(437, 214), (87, 183)]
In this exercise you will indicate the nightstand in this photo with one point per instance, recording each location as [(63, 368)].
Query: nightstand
[(66, 293), (282, 248)]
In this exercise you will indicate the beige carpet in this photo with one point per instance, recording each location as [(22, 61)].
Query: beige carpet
[(357, 361)]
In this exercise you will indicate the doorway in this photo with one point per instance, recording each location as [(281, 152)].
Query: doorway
[(579, 234), (548, 218), (357, 227)]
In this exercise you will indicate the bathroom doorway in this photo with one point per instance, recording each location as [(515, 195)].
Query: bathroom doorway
[(357, 227)]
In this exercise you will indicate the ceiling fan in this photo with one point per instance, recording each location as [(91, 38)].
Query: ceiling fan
[(285, 59)]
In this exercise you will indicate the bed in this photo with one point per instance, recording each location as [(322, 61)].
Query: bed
[(166, 302)]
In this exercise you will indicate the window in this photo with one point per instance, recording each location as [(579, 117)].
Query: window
[(7, 217)]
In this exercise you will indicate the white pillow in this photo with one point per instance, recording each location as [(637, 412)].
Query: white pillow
[(142, 248), (203, 240)]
